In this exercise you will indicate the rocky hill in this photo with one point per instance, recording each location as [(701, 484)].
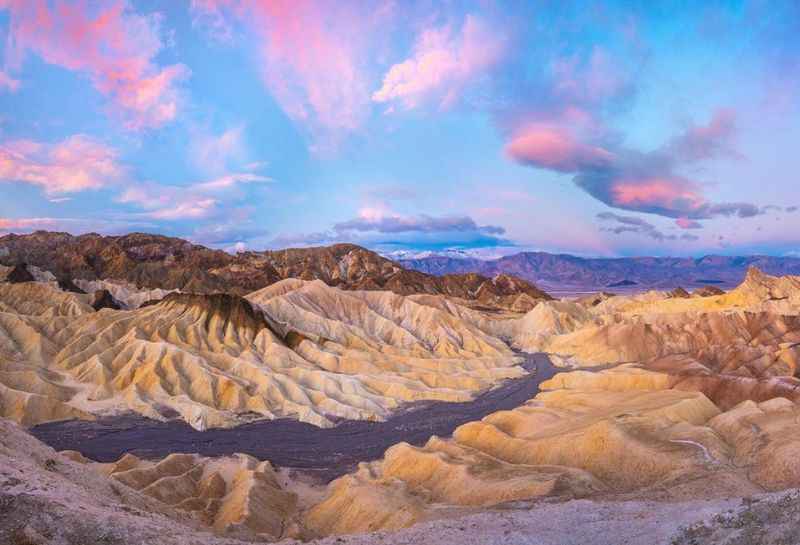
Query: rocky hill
[(165, 263), (296, 349)]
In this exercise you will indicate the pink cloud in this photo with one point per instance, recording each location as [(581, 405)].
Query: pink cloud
[(169, 203), (189, 208), (556, 149), (313, 57), (444, 62), (26, 224), (231, 180), (195, 201), (668, 193), (112, 45), (75, 164)]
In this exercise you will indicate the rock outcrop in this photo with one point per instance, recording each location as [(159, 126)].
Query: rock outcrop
[(46, 497), (565, 443), (235, 496), (707, 291), (103, 299), (131, 264), (18, 274)]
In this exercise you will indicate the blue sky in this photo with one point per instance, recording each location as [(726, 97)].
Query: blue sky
[(595, 128)]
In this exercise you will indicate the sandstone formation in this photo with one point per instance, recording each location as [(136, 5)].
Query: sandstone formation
[(707, 291), (562, 444), (679, 293), (235, 496), (708, 405), (127, 295), (48, 498), (305, 350), (749, 330), (662, 394), (614, 433)]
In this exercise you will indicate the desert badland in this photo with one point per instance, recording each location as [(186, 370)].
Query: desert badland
[(665, 397)]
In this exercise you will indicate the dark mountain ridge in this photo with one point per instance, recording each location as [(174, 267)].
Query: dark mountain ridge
[(156, 261)]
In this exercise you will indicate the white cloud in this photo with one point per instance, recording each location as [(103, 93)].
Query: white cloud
[(77, 163), (444, 63)]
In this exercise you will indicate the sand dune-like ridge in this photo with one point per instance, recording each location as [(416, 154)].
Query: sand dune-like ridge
[(300, 349), (700, 400), (235, 496), (621, 433)]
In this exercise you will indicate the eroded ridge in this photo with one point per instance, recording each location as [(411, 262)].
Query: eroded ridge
[(296, 349)]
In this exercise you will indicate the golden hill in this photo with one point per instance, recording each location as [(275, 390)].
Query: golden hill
[(296, 349)]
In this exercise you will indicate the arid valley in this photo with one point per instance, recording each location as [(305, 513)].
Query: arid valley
[(144, 399)]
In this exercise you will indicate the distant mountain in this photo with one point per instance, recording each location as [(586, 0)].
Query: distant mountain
[(455, 253), (557, 272), (159, 262)]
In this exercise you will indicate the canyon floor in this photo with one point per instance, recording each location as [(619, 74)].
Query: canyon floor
[(324, 453)]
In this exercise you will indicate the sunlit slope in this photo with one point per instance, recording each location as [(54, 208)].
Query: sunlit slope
[(615, 433), (300, 350), (696, 397), (234, 496)]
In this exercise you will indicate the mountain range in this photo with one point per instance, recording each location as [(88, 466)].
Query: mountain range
[(561, 273), (158, 262)]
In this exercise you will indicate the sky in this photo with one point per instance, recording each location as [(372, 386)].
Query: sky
[(596, 128)]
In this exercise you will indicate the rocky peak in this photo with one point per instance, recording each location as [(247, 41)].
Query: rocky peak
[(103, 299), (759, 287), (707, 291), (678, 293), (232, 310), (19, 274)]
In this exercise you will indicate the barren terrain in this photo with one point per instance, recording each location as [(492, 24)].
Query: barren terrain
[(303, 411)]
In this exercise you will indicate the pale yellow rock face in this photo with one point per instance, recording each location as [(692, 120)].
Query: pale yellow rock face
[(42, 300), (618, 379), (766, 441), (653, 421), (316, 352), (753, 330), (691, 395), (564, 443), (235, 496), (29, 393)]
